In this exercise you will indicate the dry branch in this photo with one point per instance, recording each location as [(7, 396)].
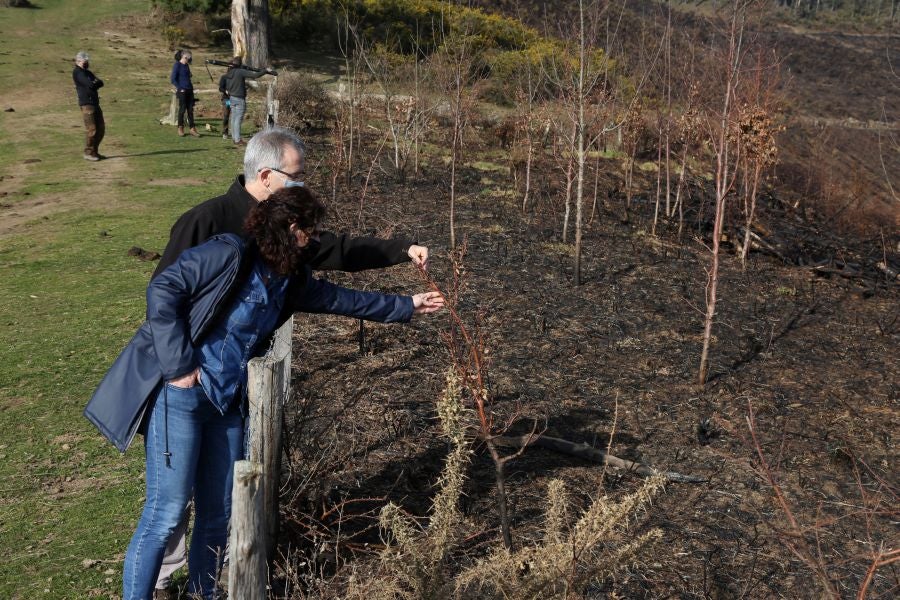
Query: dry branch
[(587, 452)]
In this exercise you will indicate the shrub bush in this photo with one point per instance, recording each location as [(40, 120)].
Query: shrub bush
[(174, 36), (505, 49), (405, 24), (302, 103)]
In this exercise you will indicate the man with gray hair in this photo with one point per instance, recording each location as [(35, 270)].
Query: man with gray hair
[(274, 158), (86, 86)]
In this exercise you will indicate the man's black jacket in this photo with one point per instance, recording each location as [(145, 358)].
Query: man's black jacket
[(86, 86), (226, 214)]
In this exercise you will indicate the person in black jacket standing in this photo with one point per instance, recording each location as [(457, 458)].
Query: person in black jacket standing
[(86, 86), (274, 159)]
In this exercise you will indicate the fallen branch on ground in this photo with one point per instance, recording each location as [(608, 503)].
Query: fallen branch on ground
[(593, 454)]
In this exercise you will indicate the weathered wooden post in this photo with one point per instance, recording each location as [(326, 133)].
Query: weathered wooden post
[(172, 117), (271, 103), (247, 566), (254, 506), (268, 385)]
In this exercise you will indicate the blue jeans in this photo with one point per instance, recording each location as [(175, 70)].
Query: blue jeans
[(203, 446), (238, 107)]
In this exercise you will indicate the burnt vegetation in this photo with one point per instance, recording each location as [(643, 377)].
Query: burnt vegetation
[(656, 243)]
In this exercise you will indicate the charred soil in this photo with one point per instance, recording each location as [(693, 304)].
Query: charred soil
[(805, 349)]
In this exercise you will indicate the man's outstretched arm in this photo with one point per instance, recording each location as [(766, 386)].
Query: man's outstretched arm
[(346, 253)]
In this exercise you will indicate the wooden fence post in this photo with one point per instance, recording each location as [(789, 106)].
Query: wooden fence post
[(271, 103), (268, 385), (247, 564), (172, 117), (254, 505)]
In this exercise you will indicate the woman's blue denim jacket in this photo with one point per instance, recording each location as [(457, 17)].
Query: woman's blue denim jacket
[(240, 335), (183, 303)]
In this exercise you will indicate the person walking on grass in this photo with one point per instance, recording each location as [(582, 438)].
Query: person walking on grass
[(86, 86), (184, 90), (234, 84), (208, 314)]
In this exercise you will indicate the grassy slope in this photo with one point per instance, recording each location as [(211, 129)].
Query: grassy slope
[(71, 295)]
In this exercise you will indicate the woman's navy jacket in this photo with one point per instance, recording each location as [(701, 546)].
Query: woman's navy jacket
[(183, 303)]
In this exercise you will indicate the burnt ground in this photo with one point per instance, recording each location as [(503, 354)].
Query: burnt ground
[(813, 353), (840, 142), (838, 92)]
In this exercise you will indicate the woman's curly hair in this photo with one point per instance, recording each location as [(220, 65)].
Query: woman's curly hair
[(269, 224)]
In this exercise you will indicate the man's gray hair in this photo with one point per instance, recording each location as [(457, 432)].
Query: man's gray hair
[(82, 56), (186, 54), (266, 150)]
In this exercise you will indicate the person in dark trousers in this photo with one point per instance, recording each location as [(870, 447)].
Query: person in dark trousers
[(226, 104), (86, 86), (184, 91), (208, 315), (275, 158), (234, 84)]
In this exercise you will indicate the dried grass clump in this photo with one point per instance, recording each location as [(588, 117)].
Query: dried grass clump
[(412, 563), (595, 548)]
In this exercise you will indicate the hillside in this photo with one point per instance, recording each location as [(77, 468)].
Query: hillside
[(611, 364), (838, 90)]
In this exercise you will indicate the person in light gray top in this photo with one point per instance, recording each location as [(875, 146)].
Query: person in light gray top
[(233, 85)]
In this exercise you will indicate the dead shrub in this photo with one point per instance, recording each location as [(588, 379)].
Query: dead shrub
[(569, 558), (413, 564), (302, 103), (413, 560)]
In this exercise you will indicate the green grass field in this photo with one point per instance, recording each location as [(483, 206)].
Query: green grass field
[(71, 296)]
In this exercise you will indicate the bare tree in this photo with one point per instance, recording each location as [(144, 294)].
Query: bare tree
[(466, 345), (390, 69), (689, 130), (631, 131), (347, 109), (581, 78), (530, 119), (664, 121), (720, 124), (454, 67)]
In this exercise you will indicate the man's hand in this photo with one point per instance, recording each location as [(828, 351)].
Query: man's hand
[(191, 379), (427, 302), (419, 256)]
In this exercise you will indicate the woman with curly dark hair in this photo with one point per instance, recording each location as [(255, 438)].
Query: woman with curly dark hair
[(281, 247), (183, 377)]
